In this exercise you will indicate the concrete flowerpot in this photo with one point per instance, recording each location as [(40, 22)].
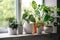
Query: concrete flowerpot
[(48, 29), (39, 30), (20, 30), (54, 29)]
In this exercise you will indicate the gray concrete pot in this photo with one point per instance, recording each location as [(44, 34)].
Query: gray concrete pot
[(48, 29), (20, 30), (54, 29), (39, 31)]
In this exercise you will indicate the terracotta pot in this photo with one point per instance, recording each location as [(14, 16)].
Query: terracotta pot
[(34, 28)]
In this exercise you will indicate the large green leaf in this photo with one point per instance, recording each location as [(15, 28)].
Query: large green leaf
[(47, 17), (58, 9), (25, 14), (34, 5), (46, 9), (31, 18)]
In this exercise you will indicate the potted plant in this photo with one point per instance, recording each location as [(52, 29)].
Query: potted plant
[(20, 28), (29, 20), (48, 19), (44, 13), (40, 25), (41, 12), (12, 29)]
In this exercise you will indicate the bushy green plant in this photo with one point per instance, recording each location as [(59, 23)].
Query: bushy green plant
[(46, 15), (28, 17), (12, 23)]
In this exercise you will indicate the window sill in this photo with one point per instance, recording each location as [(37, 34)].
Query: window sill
[(6, 35)]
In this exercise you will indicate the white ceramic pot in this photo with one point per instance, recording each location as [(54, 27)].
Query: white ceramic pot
[(20, 30), (48, 29), (28, 27), (12, 31)]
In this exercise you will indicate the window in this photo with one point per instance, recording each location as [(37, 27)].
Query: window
[(13, 8), (7, 9)]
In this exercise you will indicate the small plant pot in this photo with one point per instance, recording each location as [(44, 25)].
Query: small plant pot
[(20, 30), (48, 29), (54, 29), (12, 31), (39, 31), (28, 27)]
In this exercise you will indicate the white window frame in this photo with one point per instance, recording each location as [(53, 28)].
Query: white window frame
[(18, 10)]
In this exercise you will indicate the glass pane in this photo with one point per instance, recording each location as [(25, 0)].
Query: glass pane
[(7, 9)]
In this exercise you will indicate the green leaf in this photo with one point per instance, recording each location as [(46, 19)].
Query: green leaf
[(52, 19), (37, 12), (58, 9), (46, 9), (31, 18), (25, 14), (47, 17), (34, 5)]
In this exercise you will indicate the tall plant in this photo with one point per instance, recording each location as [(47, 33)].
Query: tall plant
[(46, 15)]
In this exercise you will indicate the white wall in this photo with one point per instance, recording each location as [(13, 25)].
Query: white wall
[(51, 2)]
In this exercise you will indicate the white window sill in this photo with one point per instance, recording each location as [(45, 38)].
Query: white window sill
[(6, 35)]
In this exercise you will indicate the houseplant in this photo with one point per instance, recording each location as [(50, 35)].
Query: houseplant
[(39, 25), (41, 12), (29, 19), (44, 13), (12, 28), (20, 28)]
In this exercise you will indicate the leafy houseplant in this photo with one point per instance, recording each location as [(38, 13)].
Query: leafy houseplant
[(28, 17), (12, 29), (35, 17), (44, 13), (20, 28), (47, 12), (41, 12), (12, 23)]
